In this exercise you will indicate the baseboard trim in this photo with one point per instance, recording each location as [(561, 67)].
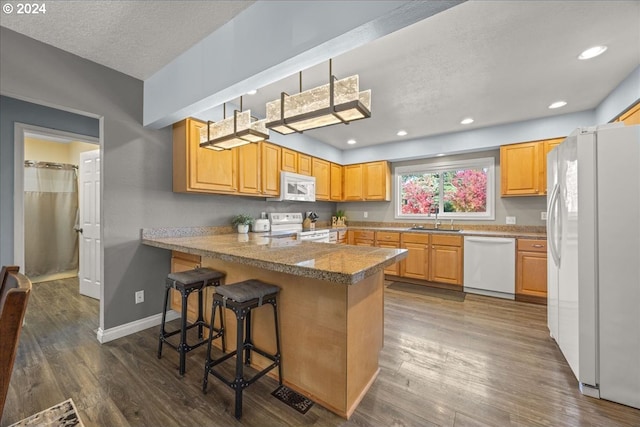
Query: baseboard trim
[(106, 335), (488, 293)]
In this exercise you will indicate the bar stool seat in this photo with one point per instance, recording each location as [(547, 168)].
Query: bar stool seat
[(242, 298), (186, 282)]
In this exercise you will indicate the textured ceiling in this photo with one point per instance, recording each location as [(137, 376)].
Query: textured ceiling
[(134, 37), (496, 61)]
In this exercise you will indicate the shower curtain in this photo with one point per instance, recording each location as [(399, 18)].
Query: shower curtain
[(50, 214)]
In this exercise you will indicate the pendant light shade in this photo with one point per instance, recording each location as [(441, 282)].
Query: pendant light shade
[(241, 129), (340, 101)]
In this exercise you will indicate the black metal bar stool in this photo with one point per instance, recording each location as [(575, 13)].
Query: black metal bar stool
[(241, 298), (186, 282)]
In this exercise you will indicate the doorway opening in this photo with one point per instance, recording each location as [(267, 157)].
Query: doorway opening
[(49, 206)]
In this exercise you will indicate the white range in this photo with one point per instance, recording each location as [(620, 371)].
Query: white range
[(292, 222)]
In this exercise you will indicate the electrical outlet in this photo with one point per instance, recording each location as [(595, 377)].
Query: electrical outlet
[(366, 214), (543, 216), (139, 297), (511, 220)]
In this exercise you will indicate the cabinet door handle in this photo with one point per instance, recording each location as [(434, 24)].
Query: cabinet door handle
[(538, 246)]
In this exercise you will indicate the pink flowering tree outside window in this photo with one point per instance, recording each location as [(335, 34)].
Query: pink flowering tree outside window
[(418, 193), (465, 191), (454, 191)]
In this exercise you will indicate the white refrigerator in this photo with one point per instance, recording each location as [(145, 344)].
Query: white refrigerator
[(593, 232)]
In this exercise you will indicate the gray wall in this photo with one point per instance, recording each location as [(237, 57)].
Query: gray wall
[(525, 209), (11, 111), (136, 170)]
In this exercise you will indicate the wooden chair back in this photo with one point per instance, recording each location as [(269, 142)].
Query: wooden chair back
[(14, 296), (6, 269)]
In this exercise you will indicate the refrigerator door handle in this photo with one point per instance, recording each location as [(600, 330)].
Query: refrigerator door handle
[(551, 225)]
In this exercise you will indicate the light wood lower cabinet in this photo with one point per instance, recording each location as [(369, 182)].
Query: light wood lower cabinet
[(446, 259), (416, 264), (391, 240), (435, 257), (182, 262), (362, 238), (531, 270)]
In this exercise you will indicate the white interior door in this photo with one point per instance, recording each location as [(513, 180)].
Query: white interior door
[(89, 228)]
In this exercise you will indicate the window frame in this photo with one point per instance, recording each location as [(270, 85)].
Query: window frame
[(438, 167)]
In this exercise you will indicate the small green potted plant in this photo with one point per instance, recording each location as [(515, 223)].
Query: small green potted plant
[(242, 221), (339, 219)]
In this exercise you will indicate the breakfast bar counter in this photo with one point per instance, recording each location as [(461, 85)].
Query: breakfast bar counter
[(331, 306)]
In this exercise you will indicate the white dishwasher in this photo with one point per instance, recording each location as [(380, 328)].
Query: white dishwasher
[(490, 266)]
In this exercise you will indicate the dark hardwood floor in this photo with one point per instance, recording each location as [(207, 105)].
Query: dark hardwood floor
[(481, 362)]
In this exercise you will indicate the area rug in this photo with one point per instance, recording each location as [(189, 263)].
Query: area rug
[(63, 414), (293, 399), (428, 291)]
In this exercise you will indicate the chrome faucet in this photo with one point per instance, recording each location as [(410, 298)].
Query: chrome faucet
[(436, 224)]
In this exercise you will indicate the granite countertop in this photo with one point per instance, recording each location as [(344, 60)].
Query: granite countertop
[(342, 264), (461, 232)]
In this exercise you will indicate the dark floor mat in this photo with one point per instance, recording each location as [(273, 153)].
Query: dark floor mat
[(293, 399), (428, 291)]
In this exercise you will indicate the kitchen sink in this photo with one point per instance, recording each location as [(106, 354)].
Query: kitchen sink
[(433, 230)]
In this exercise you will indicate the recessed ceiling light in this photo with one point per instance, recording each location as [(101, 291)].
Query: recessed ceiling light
[(401, 132), (557, 104), (351, 141), (592, 52), (440, 155), (466, 121), (252, 92)]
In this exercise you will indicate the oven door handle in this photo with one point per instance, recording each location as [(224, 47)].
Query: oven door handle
[(315, 238)]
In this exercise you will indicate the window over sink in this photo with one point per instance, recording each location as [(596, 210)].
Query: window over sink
[(463, 189)]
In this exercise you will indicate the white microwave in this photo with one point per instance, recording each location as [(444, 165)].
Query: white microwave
[(296, 187)]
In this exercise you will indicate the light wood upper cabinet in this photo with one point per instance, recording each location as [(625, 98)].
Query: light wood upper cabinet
[(523, 167), (270, 167), (320, 170), (198, 169), (520, 169), (631, 116), (289, 160), (335, 186), (548, 145), (304, 164), (531, 268), (353, 182), (377, 181), (248, 169), (367, 181)]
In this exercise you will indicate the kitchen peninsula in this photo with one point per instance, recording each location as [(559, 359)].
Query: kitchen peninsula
[(331, 305)]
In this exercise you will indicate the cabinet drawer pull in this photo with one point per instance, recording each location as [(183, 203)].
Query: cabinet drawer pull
[(538, 246)]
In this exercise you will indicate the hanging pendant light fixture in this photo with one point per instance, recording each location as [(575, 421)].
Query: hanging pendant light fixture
[(340, 101), (241, 129)]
